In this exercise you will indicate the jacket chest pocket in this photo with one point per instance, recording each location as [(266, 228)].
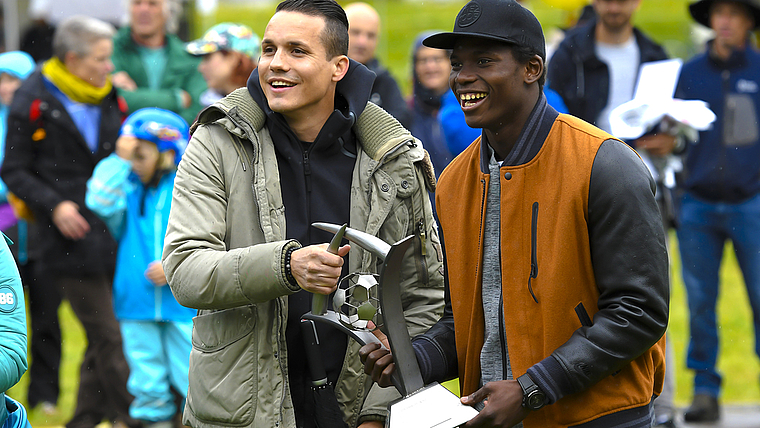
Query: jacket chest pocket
[(223, 374)]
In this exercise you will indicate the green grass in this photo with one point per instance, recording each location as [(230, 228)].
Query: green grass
[(667, 22)]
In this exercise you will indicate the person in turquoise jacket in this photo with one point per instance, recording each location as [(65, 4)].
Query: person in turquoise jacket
[(12, 338), (131, 190)]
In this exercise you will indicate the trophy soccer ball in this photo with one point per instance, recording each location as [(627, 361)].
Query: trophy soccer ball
[(356, 301)]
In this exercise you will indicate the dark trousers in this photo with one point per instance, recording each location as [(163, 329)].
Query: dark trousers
[(104, 372), (44, 299)]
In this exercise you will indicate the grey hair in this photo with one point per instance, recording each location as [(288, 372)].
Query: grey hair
[(78, 33), (172, 13)]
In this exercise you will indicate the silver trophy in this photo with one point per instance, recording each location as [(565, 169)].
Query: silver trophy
[(363, 298)]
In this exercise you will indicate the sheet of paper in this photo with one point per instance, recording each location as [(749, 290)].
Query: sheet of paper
[(657, 80), (432, 407)]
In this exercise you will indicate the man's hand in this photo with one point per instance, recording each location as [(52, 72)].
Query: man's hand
[(372, 424), (503, 405), (316, 270), (661, 144), (125, 146), (122, 81), (378, 362), (155, 274), (69, 222)]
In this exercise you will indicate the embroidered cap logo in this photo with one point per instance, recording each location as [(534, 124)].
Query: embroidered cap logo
[(469, 15)]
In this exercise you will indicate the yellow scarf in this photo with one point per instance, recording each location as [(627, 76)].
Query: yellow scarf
[(76, 89)]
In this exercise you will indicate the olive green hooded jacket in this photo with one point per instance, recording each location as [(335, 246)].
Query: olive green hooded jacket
[(224, 255)]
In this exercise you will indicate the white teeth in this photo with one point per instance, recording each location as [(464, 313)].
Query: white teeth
[(280, 84)]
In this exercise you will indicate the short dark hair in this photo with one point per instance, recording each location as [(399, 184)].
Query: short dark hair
[(335, 33), (523, 54)]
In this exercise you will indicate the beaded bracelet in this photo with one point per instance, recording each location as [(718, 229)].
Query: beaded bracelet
[(288, 272)]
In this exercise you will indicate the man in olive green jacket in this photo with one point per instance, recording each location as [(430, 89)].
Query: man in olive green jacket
[(229, 249)]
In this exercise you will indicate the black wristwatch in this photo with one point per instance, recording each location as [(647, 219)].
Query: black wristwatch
[(533, 397)]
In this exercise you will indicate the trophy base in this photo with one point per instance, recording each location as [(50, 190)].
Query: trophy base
[(433, 406)]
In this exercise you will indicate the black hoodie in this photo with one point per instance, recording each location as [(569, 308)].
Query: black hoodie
[(315, 178)]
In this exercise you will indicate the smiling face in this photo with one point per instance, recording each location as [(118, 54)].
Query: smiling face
[(295, 73), (94, 67), (732, 23), (493, 89), (433, 68)]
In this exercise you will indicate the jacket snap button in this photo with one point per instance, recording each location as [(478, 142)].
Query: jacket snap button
[(508, 175), (405, 184), (56, 114), (385, 187)]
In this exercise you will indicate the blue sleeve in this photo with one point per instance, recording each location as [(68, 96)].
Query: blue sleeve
[(12, 321), (107, 192), (456, 131), (554, 100)]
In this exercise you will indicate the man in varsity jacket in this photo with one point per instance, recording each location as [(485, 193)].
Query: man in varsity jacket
[(552, 233)]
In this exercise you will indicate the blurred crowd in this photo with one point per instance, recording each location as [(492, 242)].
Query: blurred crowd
[(94, 121)]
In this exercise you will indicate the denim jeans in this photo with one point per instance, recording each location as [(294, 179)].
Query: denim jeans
[(703, 230)]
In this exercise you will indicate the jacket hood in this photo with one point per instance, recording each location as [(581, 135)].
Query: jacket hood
[(352, 92), (18, 64)]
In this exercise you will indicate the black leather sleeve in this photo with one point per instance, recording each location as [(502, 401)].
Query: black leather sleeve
[(436, 349), (631, 269)]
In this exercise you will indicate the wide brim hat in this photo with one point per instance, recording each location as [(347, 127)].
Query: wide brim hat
[(500, 20), (227, 37), (700, 10)]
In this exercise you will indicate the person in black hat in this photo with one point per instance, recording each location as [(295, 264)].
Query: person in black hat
[(721, 192), (557, 270)]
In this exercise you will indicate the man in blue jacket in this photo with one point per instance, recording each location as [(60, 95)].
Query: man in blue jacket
[(721, 189)]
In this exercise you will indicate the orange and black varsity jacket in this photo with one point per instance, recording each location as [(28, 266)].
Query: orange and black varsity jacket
[(584, 273)]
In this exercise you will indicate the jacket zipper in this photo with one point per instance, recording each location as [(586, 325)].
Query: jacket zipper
[(422, 251), (533, 258), (307, 170), (157, 248), (503, 337), (726, 77)]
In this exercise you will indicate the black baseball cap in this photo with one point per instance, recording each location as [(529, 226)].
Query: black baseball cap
[(700, 10), (500, 20)]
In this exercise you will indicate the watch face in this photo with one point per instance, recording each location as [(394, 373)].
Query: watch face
[(536, 401)]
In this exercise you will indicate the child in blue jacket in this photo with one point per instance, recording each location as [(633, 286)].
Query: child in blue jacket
[(12, 338), (131, 190)]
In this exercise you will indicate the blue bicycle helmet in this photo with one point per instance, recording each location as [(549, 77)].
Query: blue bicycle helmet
[(166, 129)]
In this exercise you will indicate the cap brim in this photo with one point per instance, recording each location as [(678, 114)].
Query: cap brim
[(200, 47), (448, 40), (700, 11)]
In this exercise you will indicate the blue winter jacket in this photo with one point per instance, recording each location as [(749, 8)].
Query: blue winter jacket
[(723, 165), (137, 217), (12, 326)]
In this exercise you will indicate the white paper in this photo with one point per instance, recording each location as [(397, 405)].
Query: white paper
[(653, 102), (658, 79), (432, 407)]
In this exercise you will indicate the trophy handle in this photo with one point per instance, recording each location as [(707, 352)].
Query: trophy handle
[(362, 336)]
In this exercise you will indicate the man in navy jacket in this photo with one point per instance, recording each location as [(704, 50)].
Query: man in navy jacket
[(721, 184)]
